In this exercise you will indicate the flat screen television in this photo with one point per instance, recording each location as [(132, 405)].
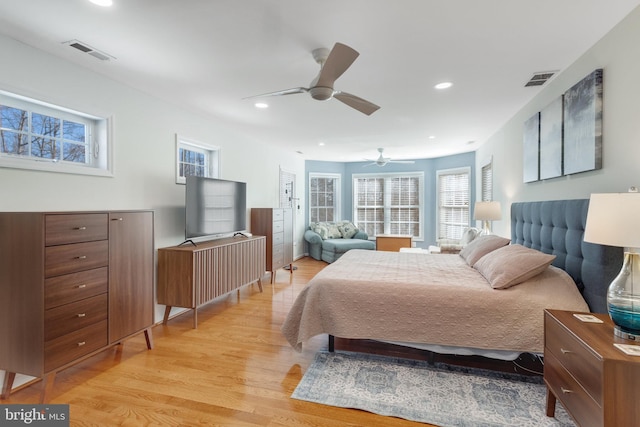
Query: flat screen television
[(214, 207)]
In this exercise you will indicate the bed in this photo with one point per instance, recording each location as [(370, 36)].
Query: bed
[(442, 303)]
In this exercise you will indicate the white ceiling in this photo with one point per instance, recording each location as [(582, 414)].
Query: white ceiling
[(208, 55)]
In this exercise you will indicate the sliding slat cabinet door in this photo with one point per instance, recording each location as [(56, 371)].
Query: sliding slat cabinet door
[(131, 266)]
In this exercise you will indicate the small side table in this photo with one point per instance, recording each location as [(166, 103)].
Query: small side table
[(393, 242), (596, 382)]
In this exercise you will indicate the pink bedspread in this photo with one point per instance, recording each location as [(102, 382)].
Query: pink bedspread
[(422, 298)]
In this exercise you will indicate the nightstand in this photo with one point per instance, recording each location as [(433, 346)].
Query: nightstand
[(596, 383)]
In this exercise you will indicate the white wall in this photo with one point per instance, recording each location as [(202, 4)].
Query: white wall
[(617, 53), (144, 135)]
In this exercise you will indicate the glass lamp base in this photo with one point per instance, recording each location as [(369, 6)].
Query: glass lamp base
[(617, 331)]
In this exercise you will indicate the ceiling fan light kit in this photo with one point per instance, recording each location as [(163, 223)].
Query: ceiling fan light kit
[(383, 161), (333, 63)]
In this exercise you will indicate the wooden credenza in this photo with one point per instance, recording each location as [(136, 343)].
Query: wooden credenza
[(596, 382), (191, 276), (71, 284), (277, 225)]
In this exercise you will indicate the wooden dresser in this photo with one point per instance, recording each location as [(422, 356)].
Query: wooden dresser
[(71, 284), (277, 225), (597, 383)]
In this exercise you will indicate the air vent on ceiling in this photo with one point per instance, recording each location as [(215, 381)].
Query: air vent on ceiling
[(540, 78), (85, 48)]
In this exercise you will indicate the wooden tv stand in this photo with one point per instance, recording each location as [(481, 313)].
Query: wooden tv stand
[(192, 276)]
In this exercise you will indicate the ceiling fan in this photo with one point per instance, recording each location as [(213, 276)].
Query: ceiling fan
[(382, 161), (332, 65)]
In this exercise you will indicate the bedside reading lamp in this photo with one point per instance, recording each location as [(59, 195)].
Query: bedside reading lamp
[(612, 220), (486, 212)]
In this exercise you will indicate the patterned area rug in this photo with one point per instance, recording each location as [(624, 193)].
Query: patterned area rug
[(417, 391)]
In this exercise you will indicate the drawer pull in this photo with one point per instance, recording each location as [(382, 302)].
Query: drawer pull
[(565, 390), (81, 286), (565, 351), (116, 219), (81, 343), (81, 228), (81, 257), (82, 314)]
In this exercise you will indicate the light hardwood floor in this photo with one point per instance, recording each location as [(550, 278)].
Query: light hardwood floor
[(236, 369)]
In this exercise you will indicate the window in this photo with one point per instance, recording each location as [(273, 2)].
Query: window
[(389, 203), (195, 158), (41, 136), (324, 197), (453, 202), (487, 182)]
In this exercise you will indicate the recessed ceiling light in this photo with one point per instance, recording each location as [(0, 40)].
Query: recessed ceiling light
[(103, 3), (443, 85), (321, 144), (432, 137), (261, 105)]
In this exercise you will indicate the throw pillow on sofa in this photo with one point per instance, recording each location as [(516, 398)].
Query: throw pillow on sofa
[(327, 230), (347, 229)]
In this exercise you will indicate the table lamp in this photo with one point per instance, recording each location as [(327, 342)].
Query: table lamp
[(486, 212), (612, 220)]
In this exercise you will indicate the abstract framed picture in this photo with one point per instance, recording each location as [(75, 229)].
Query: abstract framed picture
[(551, 140), (531, 149), (583, 125)]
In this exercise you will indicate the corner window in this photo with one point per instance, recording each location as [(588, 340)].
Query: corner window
[(389, 203), (41, 136), (324, 197), (487, 182), (195, 158)]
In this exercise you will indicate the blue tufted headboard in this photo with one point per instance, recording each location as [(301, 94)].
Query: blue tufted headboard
[(557, 227)]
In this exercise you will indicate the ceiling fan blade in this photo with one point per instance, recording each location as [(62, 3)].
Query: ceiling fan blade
[(400, 161), (359, 104), (291, 91), (340, 58)]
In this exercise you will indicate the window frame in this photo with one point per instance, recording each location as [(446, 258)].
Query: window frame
[(211, 152), (337, 194), (454, 171), (387, 207), (99, 135)]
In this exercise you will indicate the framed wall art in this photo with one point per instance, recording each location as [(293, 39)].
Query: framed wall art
[(551, 140), (583, 125), (531, 151)]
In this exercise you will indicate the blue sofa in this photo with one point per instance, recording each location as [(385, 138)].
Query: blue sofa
[(328, 241)]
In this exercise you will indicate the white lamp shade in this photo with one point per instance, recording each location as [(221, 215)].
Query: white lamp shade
[(487, 211), (613, 219)]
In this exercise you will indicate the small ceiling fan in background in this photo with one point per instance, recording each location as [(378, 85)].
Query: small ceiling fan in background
[(332, 65), (382, 161)]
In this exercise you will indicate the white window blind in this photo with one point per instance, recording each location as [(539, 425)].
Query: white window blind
[(453, 203), (487, 182), (389, 204)]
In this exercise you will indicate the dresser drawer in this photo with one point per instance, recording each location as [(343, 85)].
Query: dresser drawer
[(72, 287), (278, 215), (278, 256), (75, 257), (574, 398), (75, 228), (278, 227), (67, 348), (278, 239), (77, 315), (585, 366)]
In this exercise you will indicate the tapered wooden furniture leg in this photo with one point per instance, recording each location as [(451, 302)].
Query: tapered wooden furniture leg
[(148, 336), (551, 404), (47, 387), (260, 284), (7, 384), (167, 312)]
